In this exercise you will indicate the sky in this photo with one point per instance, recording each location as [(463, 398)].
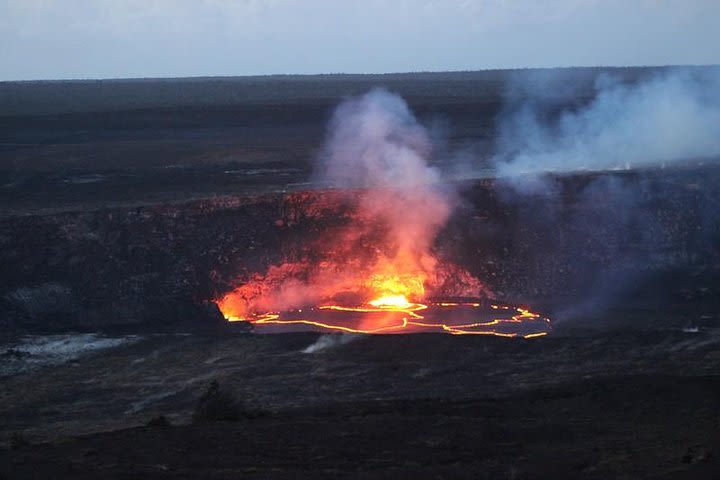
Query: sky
[(60, 39)]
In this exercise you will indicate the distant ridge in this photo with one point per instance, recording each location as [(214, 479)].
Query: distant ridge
[(42, 97), (310, 76)]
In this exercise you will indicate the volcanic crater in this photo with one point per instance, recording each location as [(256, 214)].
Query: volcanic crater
[(567, 330)]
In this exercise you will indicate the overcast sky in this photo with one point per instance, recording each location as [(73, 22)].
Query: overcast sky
[(53, 39)]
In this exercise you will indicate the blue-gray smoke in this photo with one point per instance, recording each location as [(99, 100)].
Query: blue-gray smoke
[(669, 118)]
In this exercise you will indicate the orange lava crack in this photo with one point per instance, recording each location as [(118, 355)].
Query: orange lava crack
[(413, 319)]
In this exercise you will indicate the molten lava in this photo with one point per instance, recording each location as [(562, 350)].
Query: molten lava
[(391, 301), (362, 276), (371, 264), (395, 314), (344, 286)]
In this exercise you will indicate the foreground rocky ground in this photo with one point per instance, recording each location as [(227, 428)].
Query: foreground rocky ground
[(613, 404)]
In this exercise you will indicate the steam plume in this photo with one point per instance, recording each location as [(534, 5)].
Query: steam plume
[(377, 153), (376, 143), (330, 341), (668, 118)]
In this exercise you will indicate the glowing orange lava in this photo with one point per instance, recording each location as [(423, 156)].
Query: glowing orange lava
[(391, 301), (374, 271), (368, 260), (332, 302), (395, 314)]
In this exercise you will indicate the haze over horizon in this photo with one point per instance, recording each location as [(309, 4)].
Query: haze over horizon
[(82, 39)]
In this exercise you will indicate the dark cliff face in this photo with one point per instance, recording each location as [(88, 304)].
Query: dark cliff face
[(648, 236), (156, 266)]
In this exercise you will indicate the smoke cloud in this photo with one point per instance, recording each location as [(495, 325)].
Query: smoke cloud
[(669, 118), (375, 141), (376, 153), (330, 341), (376, 144), (550, 124)]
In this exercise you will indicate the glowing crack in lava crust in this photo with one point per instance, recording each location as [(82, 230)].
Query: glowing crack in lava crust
[(401, 316), (374, 266)]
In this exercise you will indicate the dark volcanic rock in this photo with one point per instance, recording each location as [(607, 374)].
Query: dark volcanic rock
[(161, 266)]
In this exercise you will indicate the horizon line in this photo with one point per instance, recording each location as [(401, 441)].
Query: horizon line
[(358, 74)]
